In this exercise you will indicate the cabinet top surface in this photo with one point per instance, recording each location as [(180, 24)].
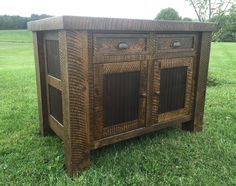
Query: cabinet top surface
[(95, 23)]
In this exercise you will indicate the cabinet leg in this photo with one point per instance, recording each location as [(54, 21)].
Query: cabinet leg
[(192, 126), (45, 130), (76, 159)]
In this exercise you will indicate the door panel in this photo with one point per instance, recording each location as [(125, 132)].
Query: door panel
[(172, 89), (119, 97)]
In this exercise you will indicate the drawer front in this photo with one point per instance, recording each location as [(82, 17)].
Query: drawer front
[(175, 42), (118, 44)]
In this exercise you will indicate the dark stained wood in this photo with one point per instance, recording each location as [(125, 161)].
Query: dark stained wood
[(56, 127), (55, 103), (105, 44), (76, 85), (137, 132), (173, 94), (94, 23), (54, 82), (196, 123), (104, 80), (41, 83), (65, 101), (172, 89), (124, 107), (121, 97), (168, 42), (52, 56)]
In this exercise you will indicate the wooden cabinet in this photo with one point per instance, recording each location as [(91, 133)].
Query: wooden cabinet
[(103, 80)]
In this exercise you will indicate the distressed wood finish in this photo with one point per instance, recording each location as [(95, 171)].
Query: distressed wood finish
[(166, 42), (196, 123), (41, 83), (114, 24), (169, 64), (118, 68), (105, 44), (104, 80), (78, 129)]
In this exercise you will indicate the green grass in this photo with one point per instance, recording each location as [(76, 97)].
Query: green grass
[(167, 157)]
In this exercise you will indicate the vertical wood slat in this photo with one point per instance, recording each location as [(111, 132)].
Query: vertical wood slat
[(41, 83), (73, 45), (91, 87), (55, 103), (101, 71), (196, 123), (121, 97), (173, 85)]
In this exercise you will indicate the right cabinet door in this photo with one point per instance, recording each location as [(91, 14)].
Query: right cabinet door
[(172, 89)]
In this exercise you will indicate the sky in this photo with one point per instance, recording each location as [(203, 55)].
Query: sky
[(137, 9)]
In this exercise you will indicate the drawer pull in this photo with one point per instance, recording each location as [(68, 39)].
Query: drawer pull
[(176, 44), (143, 95), (123, 45), (157, 93)]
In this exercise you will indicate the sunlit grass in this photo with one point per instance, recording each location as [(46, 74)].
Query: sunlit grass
[(167, 157)]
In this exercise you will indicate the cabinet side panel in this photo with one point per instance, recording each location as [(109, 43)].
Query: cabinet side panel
[(41, 83)]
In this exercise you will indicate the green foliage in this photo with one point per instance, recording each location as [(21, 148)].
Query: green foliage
[(226, 30), (187, 19), (16, 22), (167, 157), (206, 9), (168, 14)]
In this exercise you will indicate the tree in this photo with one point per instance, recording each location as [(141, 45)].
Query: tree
[(17, 22), (226, 27), (187, 19), (206, 9), (168, 14)]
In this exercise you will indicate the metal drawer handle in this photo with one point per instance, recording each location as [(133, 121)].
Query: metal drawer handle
[(176, 44), (123, 45), (143, 95), (157, 93)]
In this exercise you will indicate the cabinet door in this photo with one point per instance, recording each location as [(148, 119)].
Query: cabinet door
[(119, 97), (172, 89)]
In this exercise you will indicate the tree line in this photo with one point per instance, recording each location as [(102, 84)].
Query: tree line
[(17, 22), (225, 17), (220, 11)]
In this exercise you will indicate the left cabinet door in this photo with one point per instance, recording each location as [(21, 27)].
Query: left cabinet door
[(120, 95)]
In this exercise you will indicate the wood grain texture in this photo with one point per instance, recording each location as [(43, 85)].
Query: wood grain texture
[(54, 82), (56, 127), (78, 98), (105, 44), (157, 116), (165, 42), (91, 87), (110, 94), (41, 83), (55, 103), (137, 132), (100, 70), (196, 124), (77, 128), (94, 23)]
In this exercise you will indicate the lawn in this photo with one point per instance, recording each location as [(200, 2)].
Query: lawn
[(167, 157)]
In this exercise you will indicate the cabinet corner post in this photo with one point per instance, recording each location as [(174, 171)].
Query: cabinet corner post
[(196, 124), (73, 48)]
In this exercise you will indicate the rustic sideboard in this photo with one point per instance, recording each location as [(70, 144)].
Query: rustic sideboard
[(103, 80)]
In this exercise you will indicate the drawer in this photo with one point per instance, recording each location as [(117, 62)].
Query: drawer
[(119, 44), (175, 42)]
